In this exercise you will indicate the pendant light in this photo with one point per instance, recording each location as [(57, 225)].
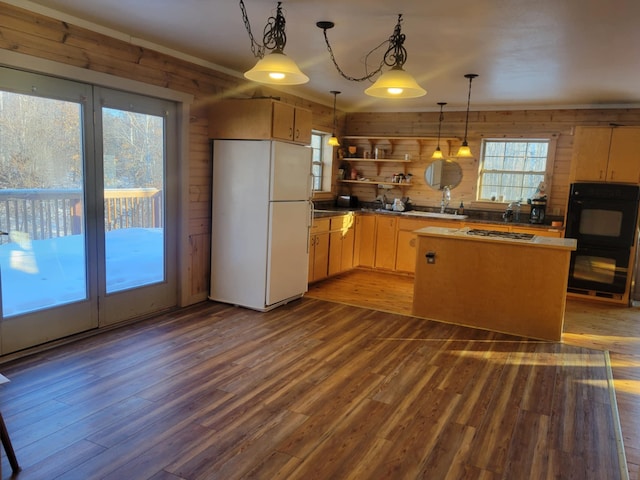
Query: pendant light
[(333, 141), (464, 150), (437, 154), (275, 68), (396, 82)]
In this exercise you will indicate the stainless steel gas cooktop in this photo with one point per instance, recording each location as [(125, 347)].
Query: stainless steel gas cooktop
[(497, 233)]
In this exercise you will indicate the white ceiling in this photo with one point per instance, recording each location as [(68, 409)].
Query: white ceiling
[(528, 53)]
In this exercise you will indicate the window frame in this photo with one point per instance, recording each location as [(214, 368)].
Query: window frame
[(326, 163), (550, 139)]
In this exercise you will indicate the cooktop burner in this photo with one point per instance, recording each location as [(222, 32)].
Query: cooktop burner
[(497, 233)]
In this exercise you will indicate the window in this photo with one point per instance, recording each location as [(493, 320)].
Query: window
[(321, 162), (512, 169)]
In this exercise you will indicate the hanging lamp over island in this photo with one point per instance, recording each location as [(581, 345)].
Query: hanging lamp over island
[(465, 151), (333, 140)]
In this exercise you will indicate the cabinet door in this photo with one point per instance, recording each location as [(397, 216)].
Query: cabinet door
[(406, 252), (312, 244), (320, 257), (365, 241), (335, 252), (624, 161), (302, 126), (386, 243), (348, 243), (283, 118), (590, 153)]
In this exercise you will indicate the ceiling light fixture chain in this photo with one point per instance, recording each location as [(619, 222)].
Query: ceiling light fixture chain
[(394, 83), (368, 76), (396, 54), (257, 49), (275, 37)]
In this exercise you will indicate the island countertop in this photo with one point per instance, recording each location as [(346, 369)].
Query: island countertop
[(508, 285), (534, 241)]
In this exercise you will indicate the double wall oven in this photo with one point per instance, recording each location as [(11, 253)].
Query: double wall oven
[(603, 217)]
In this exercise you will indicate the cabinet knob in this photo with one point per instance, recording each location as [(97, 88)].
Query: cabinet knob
[(431, 257)]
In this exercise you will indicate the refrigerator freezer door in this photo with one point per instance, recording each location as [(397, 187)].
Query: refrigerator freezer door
[(288, 253), (290, 172)]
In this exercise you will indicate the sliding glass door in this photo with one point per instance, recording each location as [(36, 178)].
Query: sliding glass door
[(138, 271), (83, 208)]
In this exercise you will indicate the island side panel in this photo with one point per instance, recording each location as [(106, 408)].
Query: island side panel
[(512, 288)]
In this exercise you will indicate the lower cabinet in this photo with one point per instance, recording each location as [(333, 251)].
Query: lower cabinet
[(407, 242), (365, 243), (319, 250), (341, 243), (386, 242)]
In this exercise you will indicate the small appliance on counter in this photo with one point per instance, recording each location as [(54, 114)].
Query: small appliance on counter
[(347, 201), (538, 208)]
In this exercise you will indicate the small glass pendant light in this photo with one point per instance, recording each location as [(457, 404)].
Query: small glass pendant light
[(437, 154)]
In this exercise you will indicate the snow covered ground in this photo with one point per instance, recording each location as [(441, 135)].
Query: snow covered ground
[(44, 273)]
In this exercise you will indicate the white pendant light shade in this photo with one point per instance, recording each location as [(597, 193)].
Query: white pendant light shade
[(276, 69), (395, 83)]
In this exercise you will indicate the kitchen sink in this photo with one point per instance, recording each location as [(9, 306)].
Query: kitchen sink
[(448, 216)]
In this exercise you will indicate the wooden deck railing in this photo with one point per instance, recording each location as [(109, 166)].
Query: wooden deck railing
[(49, 213)]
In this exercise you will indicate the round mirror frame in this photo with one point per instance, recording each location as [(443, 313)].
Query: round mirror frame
[(443, 173)]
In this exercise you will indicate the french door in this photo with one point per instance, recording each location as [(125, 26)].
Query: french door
[(86, 205)]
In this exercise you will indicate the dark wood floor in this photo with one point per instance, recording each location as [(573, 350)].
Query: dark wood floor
[(592, 324), (314, 389)]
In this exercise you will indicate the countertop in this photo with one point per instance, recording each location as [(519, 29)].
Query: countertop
[(462, 234), (468, 217)]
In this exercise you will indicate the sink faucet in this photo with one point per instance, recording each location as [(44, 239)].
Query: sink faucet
[(512, 212), (446, 198)]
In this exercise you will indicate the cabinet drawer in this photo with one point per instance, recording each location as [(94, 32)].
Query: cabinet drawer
[(411, 224), (320, 225), (342, 222)]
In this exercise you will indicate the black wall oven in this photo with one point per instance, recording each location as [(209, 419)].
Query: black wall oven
[(603, 217)]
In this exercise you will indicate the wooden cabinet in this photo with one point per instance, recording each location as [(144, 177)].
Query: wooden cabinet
[(341, 243), (319, 250), (365, 241), (291, 123), (406, 244), (605, 154), (259, 119), (385, 257)]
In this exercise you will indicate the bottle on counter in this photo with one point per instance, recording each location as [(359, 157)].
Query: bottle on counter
[(461, 208)]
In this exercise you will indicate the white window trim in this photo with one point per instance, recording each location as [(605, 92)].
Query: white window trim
[(327, 168), (551, 155)]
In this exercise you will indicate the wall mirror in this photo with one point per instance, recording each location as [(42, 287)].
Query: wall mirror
[(441, 173)]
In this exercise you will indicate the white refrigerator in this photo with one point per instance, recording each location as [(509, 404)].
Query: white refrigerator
[(261, 216)]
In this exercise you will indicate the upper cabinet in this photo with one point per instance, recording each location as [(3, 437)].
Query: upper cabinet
[(259, 119), (606, 154)]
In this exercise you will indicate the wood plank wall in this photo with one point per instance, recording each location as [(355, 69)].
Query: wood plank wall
[(33, 34), (558, 124)]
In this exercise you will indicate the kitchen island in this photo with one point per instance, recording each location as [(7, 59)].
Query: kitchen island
[(513, 284)]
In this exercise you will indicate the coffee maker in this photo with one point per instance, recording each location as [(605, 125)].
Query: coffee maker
[(538, 207)]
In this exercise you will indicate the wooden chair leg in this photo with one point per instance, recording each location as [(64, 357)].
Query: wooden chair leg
[(6, 443)]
